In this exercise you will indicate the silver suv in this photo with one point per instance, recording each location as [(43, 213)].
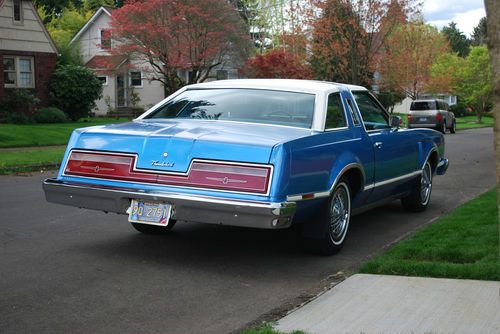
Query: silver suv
[(434, 114)]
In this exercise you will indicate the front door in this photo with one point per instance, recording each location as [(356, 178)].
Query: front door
[(395, 150), (121, 91)]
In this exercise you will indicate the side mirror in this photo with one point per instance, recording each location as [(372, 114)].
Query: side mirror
[(395, 122)]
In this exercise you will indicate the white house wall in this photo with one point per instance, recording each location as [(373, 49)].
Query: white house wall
[(91, 38), (403, 107), (29, 36)]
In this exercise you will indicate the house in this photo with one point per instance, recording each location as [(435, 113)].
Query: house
[(127, 83), (124, 85), (27, 53)]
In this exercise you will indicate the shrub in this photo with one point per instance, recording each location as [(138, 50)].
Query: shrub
[(18, 106), (74, 89), (459, 109), (50, 115)]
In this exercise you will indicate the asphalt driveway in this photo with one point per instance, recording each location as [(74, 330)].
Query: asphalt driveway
[(64, 269)]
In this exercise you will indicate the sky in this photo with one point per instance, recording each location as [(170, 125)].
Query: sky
[(465, 13)]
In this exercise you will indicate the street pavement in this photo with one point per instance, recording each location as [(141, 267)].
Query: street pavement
[(65, 269), (393, 304)]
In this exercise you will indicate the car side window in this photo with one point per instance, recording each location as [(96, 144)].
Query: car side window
[(374, 117), (335, 117)]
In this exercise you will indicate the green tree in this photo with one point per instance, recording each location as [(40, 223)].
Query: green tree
[(458, 41), (476, 78), (446, 73), (54, 8), (479, 33), (74, 89), (94, 5)]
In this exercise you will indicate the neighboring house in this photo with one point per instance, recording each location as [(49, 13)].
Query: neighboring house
[(126, 83), (27, 53), (123, 85)]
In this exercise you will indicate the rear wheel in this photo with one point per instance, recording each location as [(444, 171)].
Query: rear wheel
[(154, 229), (443, 127), (333, 222), (420, 194), (453, 128)]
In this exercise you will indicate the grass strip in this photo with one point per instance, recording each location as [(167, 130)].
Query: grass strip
[(462, 244), (30, 160), (268, 329), (470, 122), (22, 135)]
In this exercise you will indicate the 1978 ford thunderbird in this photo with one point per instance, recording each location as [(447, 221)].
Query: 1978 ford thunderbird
[(255, 153)]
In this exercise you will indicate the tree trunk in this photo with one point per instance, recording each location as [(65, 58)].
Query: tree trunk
[(493, 24)]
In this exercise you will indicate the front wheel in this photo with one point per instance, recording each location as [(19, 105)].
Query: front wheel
[(420, 194), (154, 229), (334, 222)]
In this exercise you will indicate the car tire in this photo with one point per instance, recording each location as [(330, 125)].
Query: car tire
[(453, 128), (420, 194), (333, 222), (154, 229), (443, 127)]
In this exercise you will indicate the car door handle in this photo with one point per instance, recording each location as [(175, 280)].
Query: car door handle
[(378, 144)]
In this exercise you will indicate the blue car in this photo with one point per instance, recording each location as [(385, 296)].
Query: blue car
[(261, 153)]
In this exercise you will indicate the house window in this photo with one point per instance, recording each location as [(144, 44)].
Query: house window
[(18, 72), (18, 15), (105, 39), (135, 79), (103, 79)]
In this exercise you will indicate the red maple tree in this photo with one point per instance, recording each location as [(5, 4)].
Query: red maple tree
[(170, 36), (277, 63)]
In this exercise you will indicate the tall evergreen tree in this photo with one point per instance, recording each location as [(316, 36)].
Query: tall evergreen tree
[(479, 33), (457, 39)]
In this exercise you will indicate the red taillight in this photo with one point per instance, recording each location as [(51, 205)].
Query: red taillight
[(439, 117), (201, 174)]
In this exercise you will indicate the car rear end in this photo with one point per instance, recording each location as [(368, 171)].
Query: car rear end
[(425, 114)]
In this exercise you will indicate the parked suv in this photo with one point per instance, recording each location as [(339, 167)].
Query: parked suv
[(431, 114)]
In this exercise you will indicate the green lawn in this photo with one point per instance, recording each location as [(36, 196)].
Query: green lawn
[(30, 160), (470, 122), (14, 135), (463, 244)]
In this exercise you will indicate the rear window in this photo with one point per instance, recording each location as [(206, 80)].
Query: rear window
[(242, 105), (423, 105)]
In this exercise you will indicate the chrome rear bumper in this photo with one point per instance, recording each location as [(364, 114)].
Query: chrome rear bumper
[(194, 208)]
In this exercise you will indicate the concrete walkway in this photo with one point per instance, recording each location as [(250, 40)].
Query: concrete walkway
[(394, 304)]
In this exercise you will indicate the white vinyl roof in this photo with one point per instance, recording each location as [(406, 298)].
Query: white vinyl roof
[(310, 86)]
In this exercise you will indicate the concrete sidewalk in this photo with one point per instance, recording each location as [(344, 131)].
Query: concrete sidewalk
[(394, 304)]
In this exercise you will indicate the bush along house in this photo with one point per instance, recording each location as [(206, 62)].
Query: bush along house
[(27, 53)]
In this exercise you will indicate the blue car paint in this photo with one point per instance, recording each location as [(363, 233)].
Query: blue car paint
[(304, 160)]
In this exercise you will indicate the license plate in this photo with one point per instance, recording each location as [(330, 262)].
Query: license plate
[(154, 213), (423, 119)]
